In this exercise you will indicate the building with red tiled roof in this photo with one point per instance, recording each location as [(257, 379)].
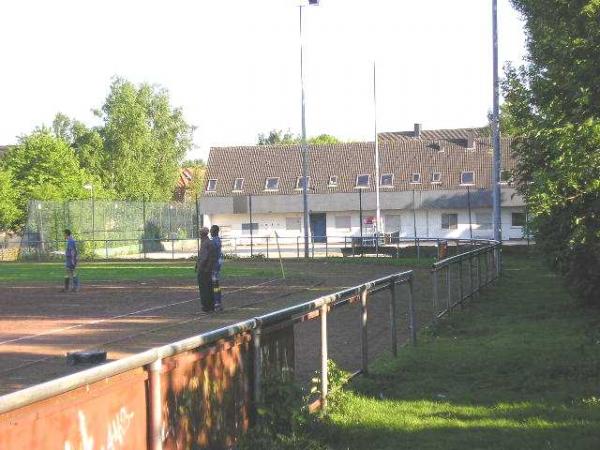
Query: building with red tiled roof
[(437, 173)]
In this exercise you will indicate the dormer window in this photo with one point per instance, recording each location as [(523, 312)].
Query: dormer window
[(300, 183), (272, 184), (436, 177), (211, 186), (362, 181), (415, 178), (333, 181), (387, 180), (467, 178), (238, 185)]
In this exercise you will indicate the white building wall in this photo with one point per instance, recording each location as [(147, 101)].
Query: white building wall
[(428, 224)]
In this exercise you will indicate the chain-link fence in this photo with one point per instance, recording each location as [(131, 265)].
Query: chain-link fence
[(109, 228)]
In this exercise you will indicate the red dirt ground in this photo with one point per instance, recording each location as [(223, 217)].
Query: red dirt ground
[(39, 325)]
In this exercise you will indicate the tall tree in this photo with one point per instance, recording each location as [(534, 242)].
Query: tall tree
[(145, 139), (43, 166), (9, 210), (553, 105)]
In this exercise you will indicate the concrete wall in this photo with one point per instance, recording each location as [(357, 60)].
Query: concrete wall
[(428, 224)]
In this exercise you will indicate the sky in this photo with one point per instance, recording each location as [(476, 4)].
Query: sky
[(233, 66)]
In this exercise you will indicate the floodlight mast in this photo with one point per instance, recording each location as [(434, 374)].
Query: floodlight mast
[(496, 216), (378, 206), (304, 145)]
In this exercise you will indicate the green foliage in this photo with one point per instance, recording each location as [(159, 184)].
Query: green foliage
[(45, 167), (283, 418), (553, 106), (280, 137), (144, 141), (511, 372), (9, 211)]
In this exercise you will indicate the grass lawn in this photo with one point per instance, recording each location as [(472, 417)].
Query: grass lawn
[(518, 369), (20, 273)]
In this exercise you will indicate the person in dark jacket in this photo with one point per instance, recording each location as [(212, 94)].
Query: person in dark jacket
[(216, 275), (207, 259)]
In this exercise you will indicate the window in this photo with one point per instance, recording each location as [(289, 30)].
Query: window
[(246, 227), (342, 222), (292, 223), (518, 219), (449, 221), (211, 186), (272, 184), (436, 177), (392, 223), (387, 180), (467, 177), (483, 220), (506, 176), (362, 181), (238, 184), (333, 181), (415, 178), (300, 183)]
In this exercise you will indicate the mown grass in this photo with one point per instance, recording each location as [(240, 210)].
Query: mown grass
[(518, 369), (24, 273)]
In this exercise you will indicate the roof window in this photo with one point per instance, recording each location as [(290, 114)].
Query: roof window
[(362, 181), (333, 181), (467, 178), (238, 185), (415, 178), (300, 183), (436, 177), (272, 184), (211, 186), (387, 180)]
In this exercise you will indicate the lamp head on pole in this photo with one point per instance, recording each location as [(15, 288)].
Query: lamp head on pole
[(313, 2), (88, 186)]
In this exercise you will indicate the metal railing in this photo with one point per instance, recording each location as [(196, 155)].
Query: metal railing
[(450, 283), (156, 361)]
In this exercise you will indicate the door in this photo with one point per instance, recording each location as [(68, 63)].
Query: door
[(318, 227)]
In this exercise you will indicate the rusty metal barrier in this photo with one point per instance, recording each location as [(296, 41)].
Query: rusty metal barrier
[(199, 392)]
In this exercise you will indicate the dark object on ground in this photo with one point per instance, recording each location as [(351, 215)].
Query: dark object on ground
[(86, 357)]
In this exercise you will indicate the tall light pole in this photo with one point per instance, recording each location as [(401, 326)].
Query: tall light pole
[(496, 215), (304, 144), (378, 205)]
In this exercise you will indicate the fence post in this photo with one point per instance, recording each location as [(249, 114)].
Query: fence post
[(155, 405), (486, 262), (298, 247), (418, 250), (267, 247), (412, 321), (471, 291), (106, 247), (393, 317), (460, 279), (313, 246), (449, 286), (478, 272), (434, 280), (324, 357), (364, 336), (326, 246), (257, 366)]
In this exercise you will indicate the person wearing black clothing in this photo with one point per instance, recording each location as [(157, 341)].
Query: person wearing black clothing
[(207, 260)]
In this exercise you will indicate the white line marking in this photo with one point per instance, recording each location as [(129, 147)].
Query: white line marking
[(120, 316)]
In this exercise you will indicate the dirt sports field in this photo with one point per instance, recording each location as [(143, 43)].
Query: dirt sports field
[(126, 308)]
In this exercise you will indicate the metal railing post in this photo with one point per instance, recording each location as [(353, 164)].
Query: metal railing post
[(267, 247), (471, 290), (486, 261), (257, 369), (412, 320), (298, 247), (434, 281), (324, 357), (106, 248), (449, 286), (326, 247), (393, 317), (460, 279), (155, 405), (363, 335), (478, 272), (313, 246)]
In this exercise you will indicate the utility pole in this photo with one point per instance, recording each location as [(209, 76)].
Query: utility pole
[(496, 215)]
